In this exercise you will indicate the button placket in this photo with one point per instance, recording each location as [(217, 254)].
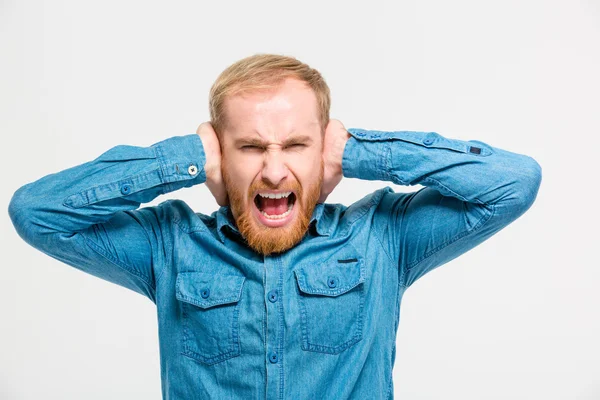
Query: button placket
[(275, 324), (273, 357), (273, 296)]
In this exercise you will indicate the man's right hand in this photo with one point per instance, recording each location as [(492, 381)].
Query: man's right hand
[(212, 149)]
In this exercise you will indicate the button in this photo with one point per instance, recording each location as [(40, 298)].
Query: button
[(205, 293), (273, 357), (273, 296), (428, 141), (192, 169), (126, 189), (332, 282)]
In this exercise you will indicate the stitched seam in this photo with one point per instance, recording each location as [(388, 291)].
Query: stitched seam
[(119, 264), (359, 213), (452, 191), (388, 163), (331, 293), (393, 264), (141, 216), (304, 321), (84, 192), (335, 349), (234, 342), (160, 157), (306, 344), (486, 217), (304, 287), (384, 250), (195, 228), (281, 330), (210, 359), (168, 255), (207, 304)]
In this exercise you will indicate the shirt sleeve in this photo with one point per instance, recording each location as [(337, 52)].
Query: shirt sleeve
[(87, 216), (472, 191)]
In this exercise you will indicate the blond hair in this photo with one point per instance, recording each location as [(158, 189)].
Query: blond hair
[(264, 72)]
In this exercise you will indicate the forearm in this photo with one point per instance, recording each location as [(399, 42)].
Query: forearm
[(472, 171), (118, 180)]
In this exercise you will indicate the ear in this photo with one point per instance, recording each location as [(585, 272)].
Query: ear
[(323, 194)]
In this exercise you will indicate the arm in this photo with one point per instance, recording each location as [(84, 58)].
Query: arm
[(87, 217), (472, 190)]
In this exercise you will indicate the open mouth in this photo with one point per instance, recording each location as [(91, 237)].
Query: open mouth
[(275, 205)]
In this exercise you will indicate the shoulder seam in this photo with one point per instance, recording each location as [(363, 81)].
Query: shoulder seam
[(486, 217), (120, 264)]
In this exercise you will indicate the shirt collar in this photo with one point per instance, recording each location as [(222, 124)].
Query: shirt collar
[(320, 222)]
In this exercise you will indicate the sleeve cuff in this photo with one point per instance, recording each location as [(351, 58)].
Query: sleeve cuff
[(365, 157), (182, 158)]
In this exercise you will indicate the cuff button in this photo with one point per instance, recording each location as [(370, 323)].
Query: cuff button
[(192, 170), (126, 189)]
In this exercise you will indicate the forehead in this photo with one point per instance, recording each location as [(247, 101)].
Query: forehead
[(273, 114)]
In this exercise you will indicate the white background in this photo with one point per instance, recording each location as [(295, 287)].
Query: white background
[(515, 318)]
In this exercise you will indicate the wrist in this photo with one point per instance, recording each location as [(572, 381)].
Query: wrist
[(209, 156), (339, 149)]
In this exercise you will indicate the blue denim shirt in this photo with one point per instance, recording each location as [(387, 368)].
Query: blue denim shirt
[(316, 322)]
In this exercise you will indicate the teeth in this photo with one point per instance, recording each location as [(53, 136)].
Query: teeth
[(275, 195), (280, 216)]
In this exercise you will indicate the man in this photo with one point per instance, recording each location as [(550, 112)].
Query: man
[(277, 294)]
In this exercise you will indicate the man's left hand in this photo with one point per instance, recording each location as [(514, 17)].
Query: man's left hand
[(334, 143)]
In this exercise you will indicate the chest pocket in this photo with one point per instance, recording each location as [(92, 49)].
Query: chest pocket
[(210, 308), (331, 300)]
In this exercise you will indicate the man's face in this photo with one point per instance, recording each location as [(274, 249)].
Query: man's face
[(273, 145)]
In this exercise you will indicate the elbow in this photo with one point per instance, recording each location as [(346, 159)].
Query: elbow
[(529, 183), (520, 190), (15, 209), (20, 215)]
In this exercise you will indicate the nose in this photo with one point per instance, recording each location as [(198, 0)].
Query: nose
[(274, 168)]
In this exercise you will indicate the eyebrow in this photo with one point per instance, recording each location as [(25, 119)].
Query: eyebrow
[(261, 143)]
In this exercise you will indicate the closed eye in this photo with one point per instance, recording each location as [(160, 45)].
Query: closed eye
[(297, 145), (250, 147)]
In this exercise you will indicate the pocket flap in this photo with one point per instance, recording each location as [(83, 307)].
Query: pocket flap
[(207, 290), (331, 278)]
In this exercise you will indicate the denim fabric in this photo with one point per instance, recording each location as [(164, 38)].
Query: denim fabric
[(316, 322)]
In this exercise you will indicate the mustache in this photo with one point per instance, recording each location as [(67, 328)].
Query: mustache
[(254, 188)]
